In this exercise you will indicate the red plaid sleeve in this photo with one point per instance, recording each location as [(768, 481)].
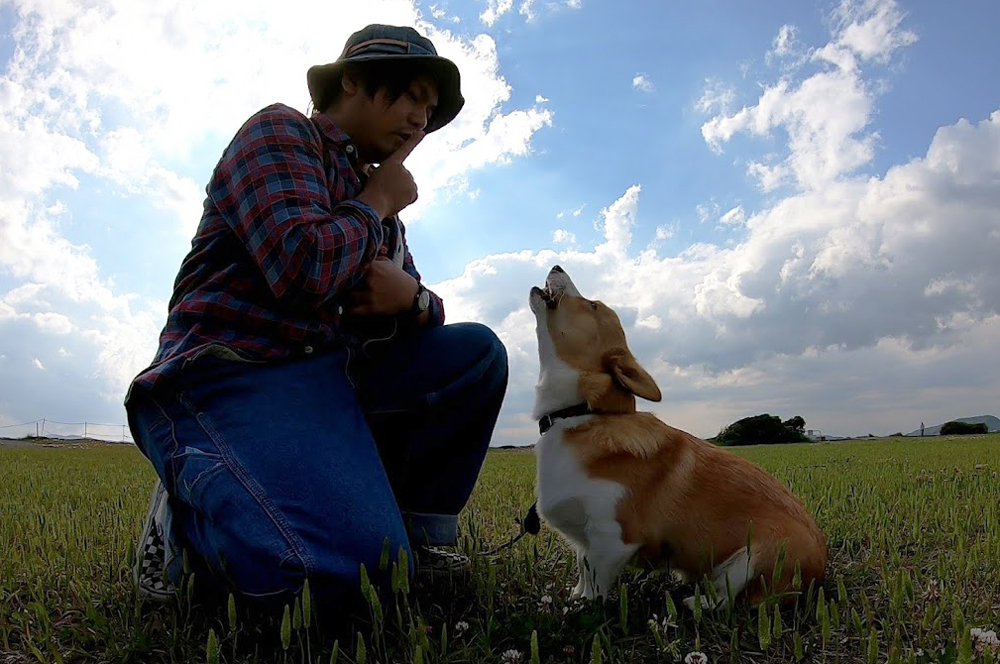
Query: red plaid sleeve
[(271, 189)]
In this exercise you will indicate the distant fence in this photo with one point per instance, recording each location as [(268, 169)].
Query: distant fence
[(46, 428)]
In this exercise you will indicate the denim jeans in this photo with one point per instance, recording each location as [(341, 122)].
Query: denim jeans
[(279, 472)]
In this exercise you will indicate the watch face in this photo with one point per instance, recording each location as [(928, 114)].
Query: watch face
[(424, 300)]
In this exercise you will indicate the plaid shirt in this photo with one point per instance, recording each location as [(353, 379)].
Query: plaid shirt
[(281, 242)]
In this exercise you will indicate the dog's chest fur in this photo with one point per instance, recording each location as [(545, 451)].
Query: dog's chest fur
[(572, 502)]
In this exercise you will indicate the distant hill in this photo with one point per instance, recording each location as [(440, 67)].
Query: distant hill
[(992, 423)]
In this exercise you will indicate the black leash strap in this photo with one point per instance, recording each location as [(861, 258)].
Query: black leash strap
[(530, 524)]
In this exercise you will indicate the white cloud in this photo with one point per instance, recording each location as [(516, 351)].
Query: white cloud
[(827, 113), (495, 10), (53, 323), (575, 212), (830, 291), (665, 232), (872, 29), (563, 236), (785, 43), (526, 10), (716, 97), (642, 82), (707, 210), (735, 216), (38, 364), (539, 99), (573, 4)]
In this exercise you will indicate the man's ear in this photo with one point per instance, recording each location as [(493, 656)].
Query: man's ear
[(631, 376), (348, 85)]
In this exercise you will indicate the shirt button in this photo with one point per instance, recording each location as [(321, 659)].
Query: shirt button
[(340, 310), (309, 350), (350, 149)]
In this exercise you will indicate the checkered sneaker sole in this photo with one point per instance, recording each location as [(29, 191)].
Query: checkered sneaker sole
[(434, 562), (151, 551)]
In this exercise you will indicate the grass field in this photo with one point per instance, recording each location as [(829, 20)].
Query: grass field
[(914, 568)]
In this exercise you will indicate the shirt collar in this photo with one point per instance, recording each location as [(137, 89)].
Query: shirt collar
[(330, 129), (340, 138)]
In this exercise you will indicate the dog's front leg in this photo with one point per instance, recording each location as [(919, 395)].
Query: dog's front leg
[(605, 559), (581, 568)]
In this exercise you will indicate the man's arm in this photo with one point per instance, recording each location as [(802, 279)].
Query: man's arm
[(271, 189)]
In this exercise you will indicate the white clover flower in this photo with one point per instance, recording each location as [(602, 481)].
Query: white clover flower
[(461, 628), (511, 656), (545, 603), (696, 657), (985, 639)]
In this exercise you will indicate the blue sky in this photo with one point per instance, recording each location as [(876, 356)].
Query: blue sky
[(794, 206)]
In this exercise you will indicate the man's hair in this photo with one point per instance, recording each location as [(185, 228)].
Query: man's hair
[(394, 76)]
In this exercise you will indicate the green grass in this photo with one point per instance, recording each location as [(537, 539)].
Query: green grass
[(914, 564)]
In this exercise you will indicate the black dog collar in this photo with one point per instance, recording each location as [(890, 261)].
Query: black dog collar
[(547, 421)]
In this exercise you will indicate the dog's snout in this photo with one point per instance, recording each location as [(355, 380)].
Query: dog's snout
[(556, 268)]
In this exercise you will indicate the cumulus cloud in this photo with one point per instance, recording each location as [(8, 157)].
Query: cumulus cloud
[(872, 296), (825, 114)]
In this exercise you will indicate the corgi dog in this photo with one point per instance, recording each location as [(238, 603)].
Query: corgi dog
[(623, 487)]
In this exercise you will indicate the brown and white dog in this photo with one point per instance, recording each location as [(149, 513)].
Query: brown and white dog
[(621, 486)]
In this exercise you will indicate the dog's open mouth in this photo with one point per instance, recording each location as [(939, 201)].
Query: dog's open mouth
[(550, 299)]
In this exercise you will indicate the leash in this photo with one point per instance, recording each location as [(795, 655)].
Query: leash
[(530, 524)]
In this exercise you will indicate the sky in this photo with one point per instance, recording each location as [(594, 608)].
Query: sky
[(794, 207)]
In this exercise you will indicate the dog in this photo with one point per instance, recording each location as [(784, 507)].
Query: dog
[(623, 487)]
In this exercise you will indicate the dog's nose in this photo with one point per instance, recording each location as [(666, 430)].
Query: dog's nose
[(556, 268)]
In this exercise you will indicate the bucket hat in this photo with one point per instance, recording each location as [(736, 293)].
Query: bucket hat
[(389, 42)]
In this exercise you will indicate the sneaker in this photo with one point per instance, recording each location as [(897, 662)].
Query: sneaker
[(438, 563), (149, 572)]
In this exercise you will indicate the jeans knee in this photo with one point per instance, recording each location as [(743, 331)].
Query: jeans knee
[(487, 344)]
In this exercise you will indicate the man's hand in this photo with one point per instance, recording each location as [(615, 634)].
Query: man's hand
[(390, 187), (386, 290)]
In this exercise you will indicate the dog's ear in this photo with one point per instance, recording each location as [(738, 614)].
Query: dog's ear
[(627, 372)]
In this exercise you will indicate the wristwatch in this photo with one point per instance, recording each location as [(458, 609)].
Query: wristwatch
[(421, 300)]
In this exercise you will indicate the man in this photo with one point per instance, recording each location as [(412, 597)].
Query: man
[(307, 405)]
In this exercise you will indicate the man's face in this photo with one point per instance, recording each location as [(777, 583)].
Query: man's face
[(381, 127)]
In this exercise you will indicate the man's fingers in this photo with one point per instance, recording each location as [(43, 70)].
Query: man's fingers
[(407, 147)]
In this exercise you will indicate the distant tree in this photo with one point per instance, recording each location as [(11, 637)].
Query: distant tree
[(763, 429), (954, 428), (796, 423)]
